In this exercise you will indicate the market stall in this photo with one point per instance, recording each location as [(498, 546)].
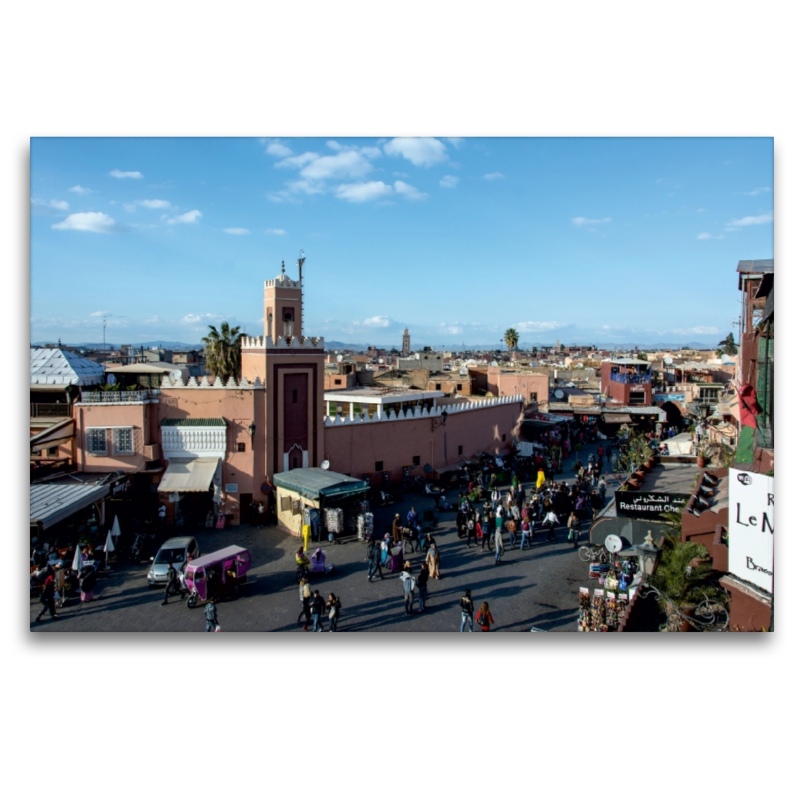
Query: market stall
[(325, 501)]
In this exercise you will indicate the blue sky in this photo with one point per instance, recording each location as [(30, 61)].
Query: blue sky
[(588, 240)]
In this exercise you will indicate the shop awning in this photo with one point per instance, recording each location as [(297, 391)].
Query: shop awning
[(52, 502), (617, 419), (59, 433), (314, 483), (188, 475)]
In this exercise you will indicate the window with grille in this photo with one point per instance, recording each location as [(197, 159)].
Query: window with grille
[(96, 441), (240, 447), (123, 441)]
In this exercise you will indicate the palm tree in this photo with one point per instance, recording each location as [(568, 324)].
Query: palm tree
[(223, 352), (511, 337)]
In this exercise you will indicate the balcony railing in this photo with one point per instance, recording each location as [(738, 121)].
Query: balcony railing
[(138, 396), (51, 410), (644, 378)]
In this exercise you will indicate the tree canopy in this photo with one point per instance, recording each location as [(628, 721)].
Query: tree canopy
[(223, 352), (511, 338)]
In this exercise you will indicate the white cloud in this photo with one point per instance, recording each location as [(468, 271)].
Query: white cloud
[(745, 221), (493, 176), (449, 182), (708, 236), (306, 187), (59, 205), (236, 231), (701, 210), (581, 221), (275, 232), (361, 192), (456, 141), (93, 221), (454, 329), (534, 327), (408, 191), (376, 322), (420, 151), (116, 173), (154, 203), (277, 149), (345, 164), (78, 189), (197, 319), (759, 191), (295, 162), (699, 329), (98, 313), (189, 218)]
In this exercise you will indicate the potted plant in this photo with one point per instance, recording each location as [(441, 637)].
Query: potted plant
[(684, 579), (702, 457)]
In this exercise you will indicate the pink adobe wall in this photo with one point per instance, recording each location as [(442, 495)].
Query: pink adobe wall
[(142, 417), (238, 407), (503, 384), (354, 448)]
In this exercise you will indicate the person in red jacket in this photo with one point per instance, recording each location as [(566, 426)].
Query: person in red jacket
[(48, 597), (484, 617)]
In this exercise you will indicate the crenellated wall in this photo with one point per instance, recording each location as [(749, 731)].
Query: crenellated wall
[(353, 446)]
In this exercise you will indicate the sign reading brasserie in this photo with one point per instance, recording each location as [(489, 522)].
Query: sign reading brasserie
[(751, 508), (648, 505)]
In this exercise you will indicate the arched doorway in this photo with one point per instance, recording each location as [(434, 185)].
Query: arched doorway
[(674, 416)]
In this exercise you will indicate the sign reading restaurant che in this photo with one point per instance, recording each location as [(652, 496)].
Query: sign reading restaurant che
[(751, 527), (648, 505)]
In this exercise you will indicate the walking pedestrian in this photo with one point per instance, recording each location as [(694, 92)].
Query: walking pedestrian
[(374, 555), (413, 518), (171, 577), (397, 529), (317, 606), (511, 527), (526, 528), (550, 521), (484, 617), (212, 623), (574, 525), (409, 583), (467, 610), (432, 560), (471, 533), (305, 600), (422, 585), (334, 606), (48, 597), (498, 545)]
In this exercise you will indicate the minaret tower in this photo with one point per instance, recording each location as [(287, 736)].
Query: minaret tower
[(283, 306)]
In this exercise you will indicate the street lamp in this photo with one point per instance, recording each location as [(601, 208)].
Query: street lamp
[(252, 431), (439, 423), (648, 555)]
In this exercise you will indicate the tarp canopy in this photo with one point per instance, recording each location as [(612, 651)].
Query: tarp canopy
[(314, 483), (59, 433), (52, 502), (188, 475)]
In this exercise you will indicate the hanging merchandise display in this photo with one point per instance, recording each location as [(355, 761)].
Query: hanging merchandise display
[(600, 612), (334, 520), (365, 525)]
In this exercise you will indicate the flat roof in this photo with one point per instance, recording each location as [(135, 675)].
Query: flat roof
[(381, 394), (629, 361), (315, 482)]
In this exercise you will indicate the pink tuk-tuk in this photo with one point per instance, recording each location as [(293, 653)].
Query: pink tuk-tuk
[(217, 574)]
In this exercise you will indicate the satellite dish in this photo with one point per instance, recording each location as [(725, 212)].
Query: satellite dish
[(558, 393), (613, 543), (175, 374), (325, 464), (380, 361), (667, 360), (493, 364), (339, 359)]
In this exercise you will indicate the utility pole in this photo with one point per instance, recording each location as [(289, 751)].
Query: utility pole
[(104, 337)]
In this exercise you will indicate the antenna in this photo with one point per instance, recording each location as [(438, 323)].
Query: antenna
[(104, 336)]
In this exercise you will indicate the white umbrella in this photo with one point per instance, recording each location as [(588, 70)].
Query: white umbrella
[(77, 561), (115, 531), (109, 547)]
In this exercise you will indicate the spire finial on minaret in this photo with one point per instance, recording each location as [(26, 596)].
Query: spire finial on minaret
[(283, 268)]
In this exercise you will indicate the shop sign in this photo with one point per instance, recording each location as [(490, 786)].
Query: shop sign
[(751, 509), (648, 505), (664, 398), (231, 488), (121, 486)]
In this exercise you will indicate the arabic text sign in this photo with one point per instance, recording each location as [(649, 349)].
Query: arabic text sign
[(751, 515), (648, 505)]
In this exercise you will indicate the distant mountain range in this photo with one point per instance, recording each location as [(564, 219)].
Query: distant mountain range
[(334, 345)]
